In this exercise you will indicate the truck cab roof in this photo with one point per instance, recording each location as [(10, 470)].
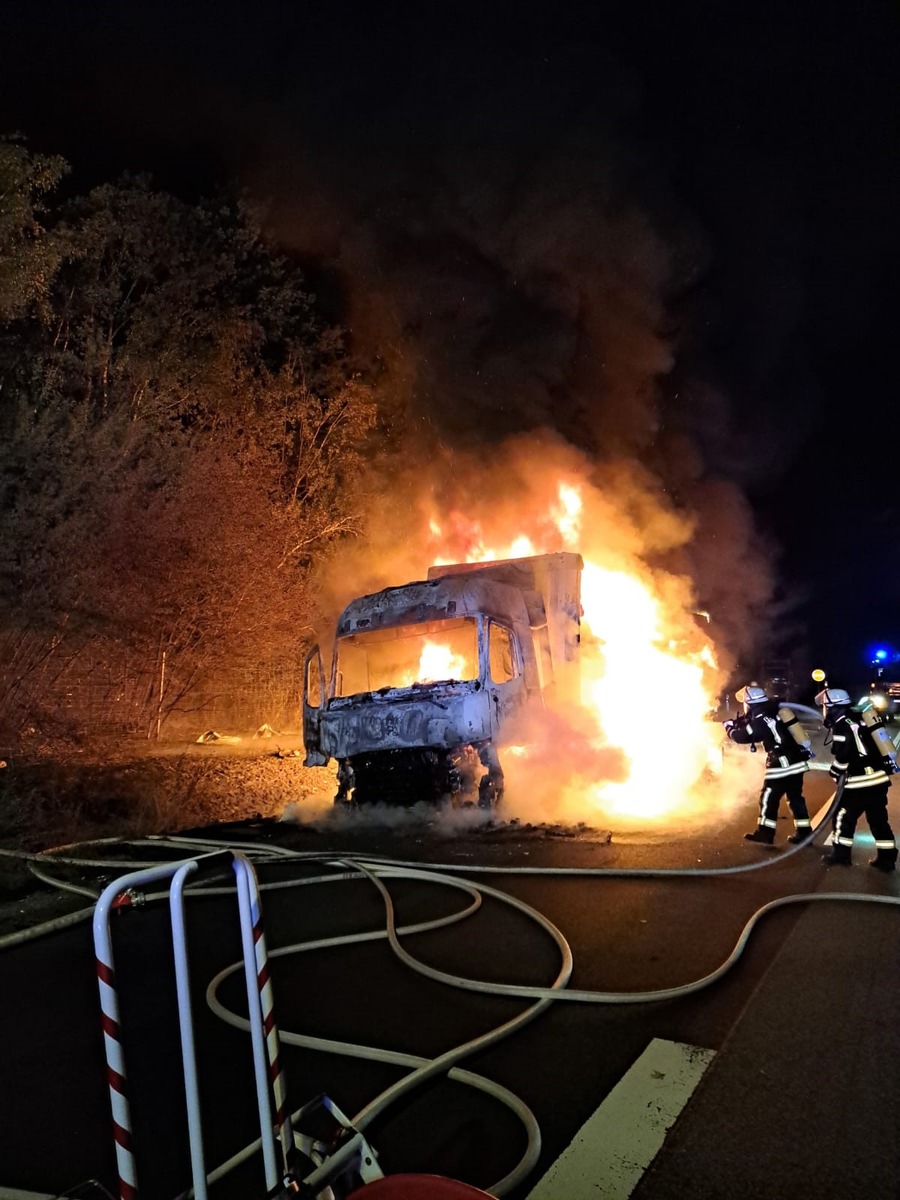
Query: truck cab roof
[(434, 599)]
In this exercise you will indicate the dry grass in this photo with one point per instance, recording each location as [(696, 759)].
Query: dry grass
[(130, 790)]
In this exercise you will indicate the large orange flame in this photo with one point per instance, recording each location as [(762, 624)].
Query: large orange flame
[(438, 661), (648, 666)]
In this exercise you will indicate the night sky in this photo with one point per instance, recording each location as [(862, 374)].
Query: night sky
[(744, 160)]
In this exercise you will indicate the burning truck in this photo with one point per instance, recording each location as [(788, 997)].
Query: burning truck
[(427, 678)]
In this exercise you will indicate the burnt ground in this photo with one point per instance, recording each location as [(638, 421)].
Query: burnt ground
[(67, 794)]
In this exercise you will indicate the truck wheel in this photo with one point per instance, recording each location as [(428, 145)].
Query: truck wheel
[(490, 792), (490, 786), (346, 781)]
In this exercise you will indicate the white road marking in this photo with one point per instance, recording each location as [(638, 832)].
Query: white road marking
[(614, 1147)]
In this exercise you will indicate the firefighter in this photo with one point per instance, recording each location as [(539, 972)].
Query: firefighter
[(787, 761), (862, 774)]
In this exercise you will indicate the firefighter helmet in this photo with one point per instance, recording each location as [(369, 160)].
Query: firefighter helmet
[(751, 694), (832, 698)]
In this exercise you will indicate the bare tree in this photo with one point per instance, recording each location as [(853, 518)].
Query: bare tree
[(185, 437)]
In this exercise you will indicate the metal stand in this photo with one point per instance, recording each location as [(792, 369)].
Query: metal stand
[(276, 1132)]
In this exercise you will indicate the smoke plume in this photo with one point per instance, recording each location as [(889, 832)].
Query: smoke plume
[(524, 272), (523, 282)]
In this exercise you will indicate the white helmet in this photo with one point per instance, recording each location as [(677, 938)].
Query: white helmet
[(832, 698), (751, 694)]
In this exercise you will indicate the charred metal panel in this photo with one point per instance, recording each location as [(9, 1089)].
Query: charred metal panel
[(533, 598), (403, 718), (557, 578), (472, 594), (433, 600)]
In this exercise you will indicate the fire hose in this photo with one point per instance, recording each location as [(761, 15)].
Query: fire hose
[(376, 871)]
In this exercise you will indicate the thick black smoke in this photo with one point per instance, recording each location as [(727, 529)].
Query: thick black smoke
[(484, 196), (523, 269)]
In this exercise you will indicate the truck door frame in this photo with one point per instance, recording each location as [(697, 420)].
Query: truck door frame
[(312, 713), (506, 695)]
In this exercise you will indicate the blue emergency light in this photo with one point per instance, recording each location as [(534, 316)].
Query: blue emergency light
[(879, 654)]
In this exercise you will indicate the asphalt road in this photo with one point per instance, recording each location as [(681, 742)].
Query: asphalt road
[(628, 935)]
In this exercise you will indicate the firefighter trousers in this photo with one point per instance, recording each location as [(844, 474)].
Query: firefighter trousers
[(789, 787), (871, 801)]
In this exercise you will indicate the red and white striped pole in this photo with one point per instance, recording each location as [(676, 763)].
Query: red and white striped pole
[(273, 1042), (114, 896), (264, 1032), (115, 1073)]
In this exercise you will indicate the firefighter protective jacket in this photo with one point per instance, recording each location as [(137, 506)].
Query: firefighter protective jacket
[(855, 755), (763, 726)]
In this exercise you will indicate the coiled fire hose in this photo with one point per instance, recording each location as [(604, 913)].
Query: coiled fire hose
[(376, 871)]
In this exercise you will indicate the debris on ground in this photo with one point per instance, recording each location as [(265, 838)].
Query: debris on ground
[(211, 736), (266, 731)]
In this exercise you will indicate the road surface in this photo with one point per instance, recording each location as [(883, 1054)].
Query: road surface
[(626, 934)]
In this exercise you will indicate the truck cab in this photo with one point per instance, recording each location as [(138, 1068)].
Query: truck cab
[(426, 677)]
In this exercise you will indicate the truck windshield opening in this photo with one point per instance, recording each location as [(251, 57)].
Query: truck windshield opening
[(427, 652)]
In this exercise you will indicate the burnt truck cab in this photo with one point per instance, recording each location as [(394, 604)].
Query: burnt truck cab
[(426, 677)]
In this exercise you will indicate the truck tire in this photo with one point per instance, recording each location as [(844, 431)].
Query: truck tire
[(490, 792)]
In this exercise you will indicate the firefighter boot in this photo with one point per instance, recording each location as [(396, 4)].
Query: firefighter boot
[(801, 834), (885, 860), (839, 857), (762, 834)]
